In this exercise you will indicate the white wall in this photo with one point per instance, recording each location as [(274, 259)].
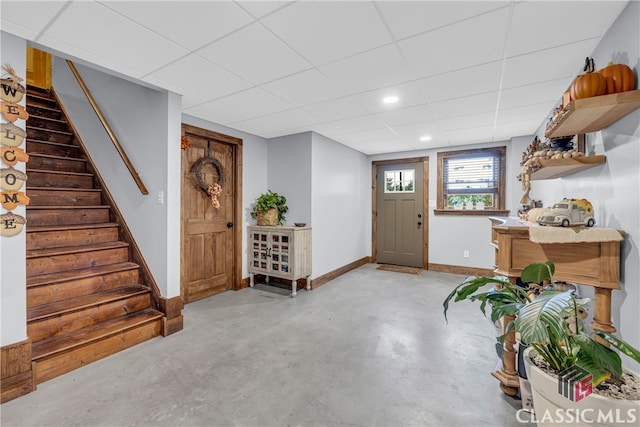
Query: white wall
[(450, 236), (340, 205), (613, 188), (147, 124), (290, 174), (254, 172), (13, 291)]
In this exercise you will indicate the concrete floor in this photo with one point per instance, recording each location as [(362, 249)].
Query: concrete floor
[(370, 348)]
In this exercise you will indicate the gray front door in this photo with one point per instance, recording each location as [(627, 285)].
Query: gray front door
[(399, 204)]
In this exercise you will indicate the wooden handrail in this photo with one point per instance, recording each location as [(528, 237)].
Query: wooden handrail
[(106, 126)]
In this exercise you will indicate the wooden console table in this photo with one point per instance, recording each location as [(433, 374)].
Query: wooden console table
[(594, 264)]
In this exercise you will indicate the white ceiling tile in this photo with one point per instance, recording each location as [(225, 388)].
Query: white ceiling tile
[(307, 87), (194, 75), (470, 135), (90, 27), (465, 82), (409, 95), (260, 8), (403, 116), (413, 132), (29, 16), (528, 112), (407, 18), (468, 121), (254, 54), (370, 70), (190, 24), (356, 124), (288, 119), (472, 42), (325, 31), (538, 93), (507, 131), (468, 105), (336, 109), (550, 64), (248, 104), (558, 22)]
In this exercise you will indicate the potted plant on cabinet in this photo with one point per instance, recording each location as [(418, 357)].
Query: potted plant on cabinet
[(270, 209), (562, 359)]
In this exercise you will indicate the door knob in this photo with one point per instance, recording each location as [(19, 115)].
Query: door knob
[(229, 224)]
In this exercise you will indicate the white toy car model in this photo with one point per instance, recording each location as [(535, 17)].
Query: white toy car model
[(569, 212)]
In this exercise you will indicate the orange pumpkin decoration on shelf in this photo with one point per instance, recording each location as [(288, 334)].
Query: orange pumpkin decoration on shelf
[(589, 84), (618, 78)]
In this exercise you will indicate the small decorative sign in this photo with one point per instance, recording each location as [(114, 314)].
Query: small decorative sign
[(12, 179), (11, 135), (11, 199), (12, 112), (11, 224), (13, 155), (12, 90)]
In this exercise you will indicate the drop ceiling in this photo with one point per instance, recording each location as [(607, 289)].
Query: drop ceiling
[(465, 72)]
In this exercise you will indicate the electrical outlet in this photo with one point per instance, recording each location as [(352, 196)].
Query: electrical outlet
[(161, 197), (465, 254)]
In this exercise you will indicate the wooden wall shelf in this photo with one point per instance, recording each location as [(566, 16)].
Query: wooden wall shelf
[(556, 168), (593, 114)]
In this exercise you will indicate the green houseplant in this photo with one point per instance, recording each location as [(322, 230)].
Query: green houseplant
[(270, 208), (543, 322)]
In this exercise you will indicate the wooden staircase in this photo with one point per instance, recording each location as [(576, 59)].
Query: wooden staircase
[(85, 296)]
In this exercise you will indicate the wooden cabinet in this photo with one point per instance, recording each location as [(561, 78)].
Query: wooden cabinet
[(280, 251)]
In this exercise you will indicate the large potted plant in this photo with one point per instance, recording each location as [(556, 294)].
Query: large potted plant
[(270, 208), (575, 378)]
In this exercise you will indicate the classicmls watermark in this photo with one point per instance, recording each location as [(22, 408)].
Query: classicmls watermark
[(569, 416), (575, 383)]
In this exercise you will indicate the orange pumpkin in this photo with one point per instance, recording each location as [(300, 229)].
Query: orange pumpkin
[(618, 78), (589, 84)]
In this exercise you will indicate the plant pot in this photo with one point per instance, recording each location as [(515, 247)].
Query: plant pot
[(554, 409), (269, 217)]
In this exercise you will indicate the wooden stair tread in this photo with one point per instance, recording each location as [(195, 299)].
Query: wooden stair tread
[(49, 119), (35, 253), (60, 144), (60, 132), (93, 333), (51, 156), (42, 107), (58, 172), (40, 228), (66, 189), (70, 305), (63, 276), (63, 207)]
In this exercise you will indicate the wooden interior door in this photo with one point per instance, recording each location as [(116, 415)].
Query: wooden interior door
[(210, 236), (400, 214), (38, 68)]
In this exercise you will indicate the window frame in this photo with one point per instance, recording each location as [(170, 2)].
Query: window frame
[(501, 152)]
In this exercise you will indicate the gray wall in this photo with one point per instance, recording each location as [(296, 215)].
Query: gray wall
[(613, 188), (13, 292), (147, 124)]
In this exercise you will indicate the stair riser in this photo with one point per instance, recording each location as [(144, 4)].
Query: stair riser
[(67, 165), (38, 110), (67, 322), (47, 123), (58, 364), (44, 135), (64, 198), (57, 263), (55, 292), (38, 102), (44, 179), (54, 150), (61, 238), (67, 216)]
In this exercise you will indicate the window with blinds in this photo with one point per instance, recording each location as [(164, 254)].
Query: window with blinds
[(471, 179)]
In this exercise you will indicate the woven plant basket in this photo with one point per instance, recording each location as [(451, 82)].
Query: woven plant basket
[(269, 217)]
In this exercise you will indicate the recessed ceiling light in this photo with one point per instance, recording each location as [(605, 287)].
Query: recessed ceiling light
[(425, 138), (390, 100)]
